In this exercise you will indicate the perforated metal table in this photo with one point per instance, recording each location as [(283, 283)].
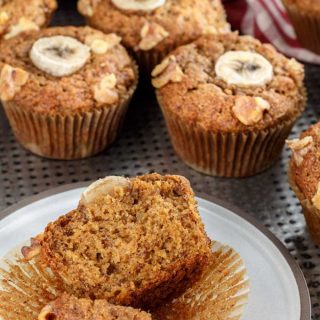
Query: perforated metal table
[(144, 146)]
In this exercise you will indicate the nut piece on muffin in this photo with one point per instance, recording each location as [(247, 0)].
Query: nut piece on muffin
[(229, 102), (17, 16), (305, 17), (136, 242), (304, 176), (66, 90), (71, 308), (153, 28)]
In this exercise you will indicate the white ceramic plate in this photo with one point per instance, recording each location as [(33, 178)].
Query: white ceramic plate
[(278, 288)]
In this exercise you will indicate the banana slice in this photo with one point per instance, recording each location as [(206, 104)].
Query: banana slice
[(143, 5), (102, 187), (244, 68), (59, 55)]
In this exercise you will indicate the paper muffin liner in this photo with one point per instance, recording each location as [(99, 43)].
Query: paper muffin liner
[(307, 27), (221, 293), (226, 154), (147, 60), (67, 137), (311, 213)]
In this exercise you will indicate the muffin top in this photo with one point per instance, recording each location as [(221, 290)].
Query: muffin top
[(18, 16), (305, 163), (230, 83), (71, 308), (127, 237), (155, 24), (65, 70), (310, 6)]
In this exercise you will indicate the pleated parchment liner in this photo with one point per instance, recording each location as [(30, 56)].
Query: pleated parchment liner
[(306, 25), (68, 137), (148, 59), (221, 293), (226, 154), (311, 213)]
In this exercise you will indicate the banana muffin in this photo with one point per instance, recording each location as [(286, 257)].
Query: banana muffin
[(304, 176), (70, 308), (18, 16), (66, 90), (153, 28), (136, 242), (229, 103), (305, 17)]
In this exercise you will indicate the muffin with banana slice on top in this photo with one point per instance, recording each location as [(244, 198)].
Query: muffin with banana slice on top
[(17, 16), (153, 28), (229, 103), (304, 176), (66, 90)]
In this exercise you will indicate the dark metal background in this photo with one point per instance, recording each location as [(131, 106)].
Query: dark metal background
[(144, 146)]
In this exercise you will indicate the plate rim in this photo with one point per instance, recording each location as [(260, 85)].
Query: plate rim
[(305, 301)]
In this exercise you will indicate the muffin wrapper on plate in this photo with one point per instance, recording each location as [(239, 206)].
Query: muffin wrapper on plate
[(226, 154), (307, 27), (221, 293), (67, 137), (311, 213)]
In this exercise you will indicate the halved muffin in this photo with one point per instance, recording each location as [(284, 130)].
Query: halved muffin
[(71, 308), (134, 242)]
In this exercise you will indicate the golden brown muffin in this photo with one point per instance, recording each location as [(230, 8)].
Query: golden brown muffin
[(66, 90), (70, 308), (18, 16), (229, 103), (305, 17), (134, 242), (304, 176), (155, 27)]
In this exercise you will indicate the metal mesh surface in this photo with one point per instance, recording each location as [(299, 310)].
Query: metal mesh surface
[(144, 146)]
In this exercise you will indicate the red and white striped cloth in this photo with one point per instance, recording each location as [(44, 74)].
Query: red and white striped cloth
[(268, 21)]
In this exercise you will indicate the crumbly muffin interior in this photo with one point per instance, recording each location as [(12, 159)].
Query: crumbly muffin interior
[(129, 240)]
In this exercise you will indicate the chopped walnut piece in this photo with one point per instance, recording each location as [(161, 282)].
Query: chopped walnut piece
[(316, 198), (100, 44), (29, 252), (300, 147), (86, 7), (151, 34), (23, 25), (249, 110), (104, 91), (11, 81), (167, 71)]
